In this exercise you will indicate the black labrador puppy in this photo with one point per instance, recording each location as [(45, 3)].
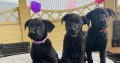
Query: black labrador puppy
[(97, 33), (42, 50), (74, 39)]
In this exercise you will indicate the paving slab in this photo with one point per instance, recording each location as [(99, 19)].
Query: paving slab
[(25, 58)]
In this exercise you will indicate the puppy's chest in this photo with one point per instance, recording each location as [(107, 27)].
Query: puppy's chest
[(73, 47), (41, 49), (73, 42)]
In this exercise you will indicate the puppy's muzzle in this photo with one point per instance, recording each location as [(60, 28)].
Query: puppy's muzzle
[(73, 33), (32, 35)]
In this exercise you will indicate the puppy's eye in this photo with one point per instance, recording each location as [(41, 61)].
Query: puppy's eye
[(30, 25), (79, 24), (67, 22), (106, 15), (38, 25), (71, 19)]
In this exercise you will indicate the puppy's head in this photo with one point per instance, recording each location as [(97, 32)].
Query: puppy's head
[(100, 16), (38, 28), (74, 23)]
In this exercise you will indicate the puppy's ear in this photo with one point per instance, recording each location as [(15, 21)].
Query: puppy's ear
[(88, 15), (50, 26), (85, 20), (26, 24), (65, 18), (111, 13)]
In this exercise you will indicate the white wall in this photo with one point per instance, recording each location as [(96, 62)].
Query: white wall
[(46, 4), (59, 4), (10, 1)]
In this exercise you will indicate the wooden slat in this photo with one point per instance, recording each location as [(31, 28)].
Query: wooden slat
[(14, 48), (7, 18), (10, 33)]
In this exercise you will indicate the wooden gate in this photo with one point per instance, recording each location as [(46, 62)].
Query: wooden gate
[(10, 28)]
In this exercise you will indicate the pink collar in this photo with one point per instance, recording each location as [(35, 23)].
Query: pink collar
[(103, 30), (40, 42)]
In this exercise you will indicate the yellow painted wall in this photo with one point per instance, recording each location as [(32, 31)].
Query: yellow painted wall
[(57, 35), (108, 4), (10, 34), (110, 31)]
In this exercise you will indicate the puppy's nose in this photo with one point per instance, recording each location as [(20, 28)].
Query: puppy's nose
[(33, 32), (73, 29)]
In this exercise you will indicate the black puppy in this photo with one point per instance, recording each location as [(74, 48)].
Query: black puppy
[(97, 33), (42, 50), (74, 40)]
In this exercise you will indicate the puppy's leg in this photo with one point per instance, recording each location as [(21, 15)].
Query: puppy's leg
[(44, 61), (85, 57), (102, 56), (65, 60), (82, 60), (35, 61), (55, 60), (89, 56), (82, 57), (53, 57)]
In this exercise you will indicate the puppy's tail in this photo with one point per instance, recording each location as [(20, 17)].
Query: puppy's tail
[(111, 13)]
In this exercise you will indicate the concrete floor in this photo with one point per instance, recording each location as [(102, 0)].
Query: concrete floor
[(25, 58)]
